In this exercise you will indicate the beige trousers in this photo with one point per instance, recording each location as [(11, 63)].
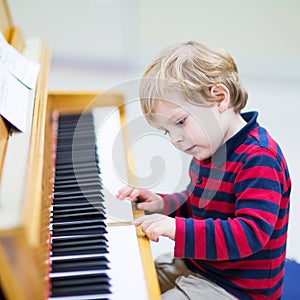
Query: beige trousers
[(177, 282)]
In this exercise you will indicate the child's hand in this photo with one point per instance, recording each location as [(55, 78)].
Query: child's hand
[(146, 199), (157, 225)]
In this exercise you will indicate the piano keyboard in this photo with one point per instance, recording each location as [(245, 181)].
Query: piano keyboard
[(88, 259)]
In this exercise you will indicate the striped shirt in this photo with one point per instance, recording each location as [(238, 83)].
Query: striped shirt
[(232, 220)]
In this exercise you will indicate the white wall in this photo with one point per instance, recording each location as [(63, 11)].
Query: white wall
[(106, 44)]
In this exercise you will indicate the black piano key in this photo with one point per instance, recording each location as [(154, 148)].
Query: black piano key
[(69, 159), (70, 128), (79, 223), (74, 125), (73, 117), (98, 238), (84, 196), (75, 194), (90, 229), (77, 181), (76, 144), (78, 205), (77, 210), (95, 247), (61, 279), (75, 165), (79, 190), (78, 127), (76, 187), (80, 264), (68, 133), (75, 156), (61, 178), (71, 217), (80, 250), (90, 170), (76, 130), (80, 285), (78, 241), (78, 214), (86, 289), (78, 200), (76, 139)]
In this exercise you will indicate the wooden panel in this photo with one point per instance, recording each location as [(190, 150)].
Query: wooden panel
[(33, 192), (16, 39), (19, 278), (5, 27), (6, 23), (69, 102), (24, 250), (147, 261), (4, 132)]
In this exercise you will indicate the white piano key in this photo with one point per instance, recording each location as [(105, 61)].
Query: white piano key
[(84, 297), (126, 269), (127, 277), (109, 140), (57, 258), (77, 273)]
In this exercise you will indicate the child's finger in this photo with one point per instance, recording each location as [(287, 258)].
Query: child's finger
[(124, 192)]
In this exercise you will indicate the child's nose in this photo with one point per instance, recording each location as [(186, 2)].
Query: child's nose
[(176, 137)]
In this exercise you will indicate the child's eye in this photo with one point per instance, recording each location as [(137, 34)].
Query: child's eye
[(181, 122)]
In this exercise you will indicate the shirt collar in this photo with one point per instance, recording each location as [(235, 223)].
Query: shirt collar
[(220, 156)]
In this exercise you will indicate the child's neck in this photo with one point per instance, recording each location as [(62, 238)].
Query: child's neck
[(236, 124)]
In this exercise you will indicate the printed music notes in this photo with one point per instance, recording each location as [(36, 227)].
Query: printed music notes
[(18, 75)]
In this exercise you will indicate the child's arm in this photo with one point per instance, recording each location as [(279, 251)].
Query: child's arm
[(177, 204), (262, 190)]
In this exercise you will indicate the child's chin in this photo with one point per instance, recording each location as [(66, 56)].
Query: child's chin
[(198, 157)]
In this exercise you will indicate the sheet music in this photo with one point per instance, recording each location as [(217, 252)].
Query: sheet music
[(13, 99), (13, 180), (18, 65)]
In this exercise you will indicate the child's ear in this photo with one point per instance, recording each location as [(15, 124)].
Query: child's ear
[(222, 94)]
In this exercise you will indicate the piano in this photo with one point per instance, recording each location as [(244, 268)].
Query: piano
[(63, 235)]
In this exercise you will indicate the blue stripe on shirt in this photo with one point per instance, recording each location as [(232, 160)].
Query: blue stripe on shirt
[(189, 238), (211, 251)]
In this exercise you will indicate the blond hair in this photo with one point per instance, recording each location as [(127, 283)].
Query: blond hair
[(192, 69)]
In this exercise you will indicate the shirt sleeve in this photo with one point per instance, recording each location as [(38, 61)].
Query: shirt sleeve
[(259, 187), (177, 204)]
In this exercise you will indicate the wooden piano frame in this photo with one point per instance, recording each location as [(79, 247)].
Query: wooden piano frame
[(24, 248)]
